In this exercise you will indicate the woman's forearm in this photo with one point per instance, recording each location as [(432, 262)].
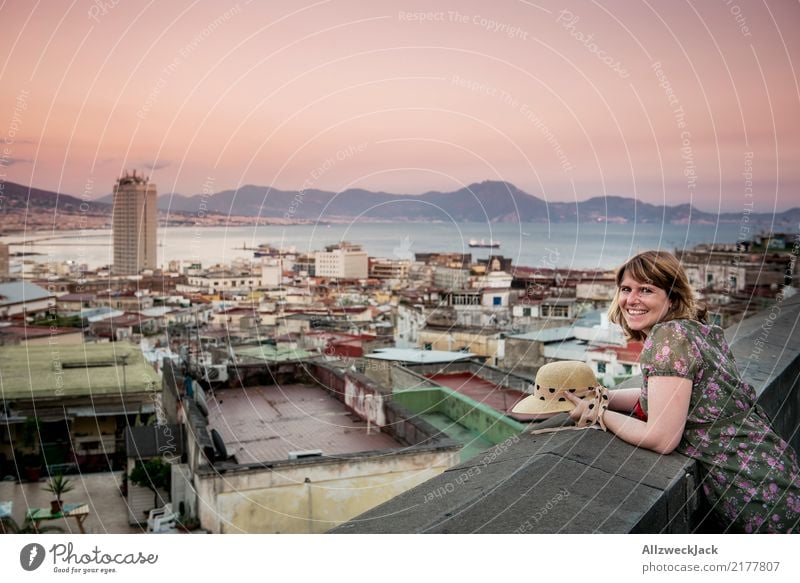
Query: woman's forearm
[(623, 399), (639, 433)]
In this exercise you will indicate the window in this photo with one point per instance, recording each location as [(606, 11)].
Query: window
[(601, 367), (497, 301), (628, 368), (428, 346), (526, 312)]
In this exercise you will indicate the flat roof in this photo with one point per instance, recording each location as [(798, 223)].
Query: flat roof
[(567, 350), (269, 353), (262, 424), (547, 334), (418, 356), (60, 370)]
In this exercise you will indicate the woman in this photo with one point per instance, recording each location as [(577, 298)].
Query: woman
[(693, 400)]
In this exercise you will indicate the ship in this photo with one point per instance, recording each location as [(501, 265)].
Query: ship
[(483, 244)]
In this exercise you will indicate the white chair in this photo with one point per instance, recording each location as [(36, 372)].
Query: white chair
[(162, 520)]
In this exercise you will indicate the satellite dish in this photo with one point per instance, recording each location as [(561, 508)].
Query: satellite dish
[(220, 451)]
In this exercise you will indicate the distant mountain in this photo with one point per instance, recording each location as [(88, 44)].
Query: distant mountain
[(489, 201), (19, 197)]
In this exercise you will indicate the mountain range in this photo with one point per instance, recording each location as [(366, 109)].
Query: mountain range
[(488, 201)]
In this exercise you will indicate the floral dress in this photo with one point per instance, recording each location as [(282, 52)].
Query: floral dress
[(751, 477)]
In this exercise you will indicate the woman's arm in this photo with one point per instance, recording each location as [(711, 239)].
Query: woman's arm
[(667, 408), (623, 399)]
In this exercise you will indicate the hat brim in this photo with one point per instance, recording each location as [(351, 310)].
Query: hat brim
[(533, 404)]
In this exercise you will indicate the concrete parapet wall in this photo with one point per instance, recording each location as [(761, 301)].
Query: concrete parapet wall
[(767, 350), (310, 497)]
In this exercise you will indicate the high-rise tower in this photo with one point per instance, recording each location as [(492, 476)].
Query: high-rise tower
[(135, 224)]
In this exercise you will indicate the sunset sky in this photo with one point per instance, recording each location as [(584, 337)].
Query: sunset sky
[(668, 102)]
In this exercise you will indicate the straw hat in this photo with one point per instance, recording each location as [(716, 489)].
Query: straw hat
[(552, 381)]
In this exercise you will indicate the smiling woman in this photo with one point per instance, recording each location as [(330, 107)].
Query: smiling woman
[(694, 401)]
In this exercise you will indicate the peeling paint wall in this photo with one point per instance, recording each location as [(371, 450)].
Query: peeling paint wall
[(366, 402)]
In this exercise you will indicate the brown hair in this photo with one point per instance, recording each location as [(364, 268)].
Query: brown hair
[(661, 269)]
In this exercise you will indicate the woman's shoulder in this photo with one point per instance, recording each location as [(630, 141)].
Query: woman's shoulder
[(686, 324), (682, 327)]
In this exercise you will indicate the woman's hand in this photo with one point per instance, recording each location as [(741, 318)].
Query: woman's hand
[(589, 411)]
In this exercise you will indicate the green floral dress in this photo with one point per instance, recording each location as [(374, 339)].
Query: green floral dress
[(751, 476)]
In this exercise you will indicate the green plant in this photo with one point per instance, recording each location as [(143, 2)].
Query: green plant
[(58, 485), (153, 474)]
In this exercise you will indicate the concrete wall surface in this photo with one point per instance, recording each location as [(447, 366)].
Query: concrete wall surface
[(310, 497)]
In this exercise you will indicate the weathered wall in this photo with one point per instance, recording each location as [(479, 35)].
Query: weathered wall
[(523, 356), (311, 497)]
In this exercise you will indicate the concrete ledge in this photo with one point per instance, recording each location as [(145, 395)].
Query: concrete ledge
[(570, 482)]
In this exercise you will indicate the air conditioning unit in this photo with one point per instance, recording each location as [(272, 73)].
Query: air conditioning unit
[(300, 455), (217, 373)]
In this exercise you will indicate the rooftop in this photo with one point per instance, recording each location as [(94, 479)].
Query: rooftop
[(260, 424), (60, 370), (484, 391), (547, 334), (27, 331), (270, 353), (17, 292), (418, 356)]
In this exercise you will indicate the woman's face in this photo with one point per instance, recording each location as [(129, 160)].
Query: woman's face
[(643, 305)]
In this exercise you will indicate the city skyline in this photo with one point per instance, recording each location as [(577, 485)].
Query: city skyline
[(689, 103)]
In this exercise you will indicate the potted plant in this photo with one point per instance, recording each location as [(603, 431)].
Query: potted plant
[(58, 485)]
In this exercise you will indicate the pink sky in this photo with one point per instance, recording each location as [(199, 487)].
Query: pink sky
[(407, 97)]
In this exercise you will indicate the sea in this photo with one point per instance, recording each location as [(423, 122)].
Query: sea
[(566, 245)]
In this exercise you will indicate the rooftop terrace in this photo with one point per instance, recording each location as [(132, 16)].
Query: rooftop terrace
[(265, 423)]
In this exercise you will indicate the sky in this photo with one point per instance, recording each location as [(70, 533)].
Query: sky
[(668, 102)]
